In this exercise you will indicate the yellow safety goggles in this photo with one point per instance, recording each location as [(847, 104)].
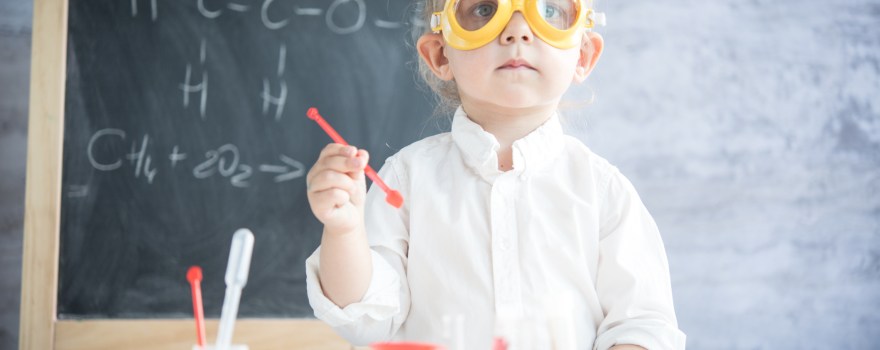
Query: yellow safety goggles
[(470, 24)]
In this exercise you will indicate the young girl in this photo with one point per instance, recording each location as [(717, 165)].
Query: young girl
[(501, 215)]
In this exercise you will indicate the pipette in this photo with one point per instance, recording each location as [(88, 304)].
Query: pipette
[(236, 277)]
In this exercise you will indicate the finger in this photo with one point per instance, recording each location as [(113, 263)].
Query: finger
[(364, 156), (332, 163), (342, 163), (332, 149), (358, 195), (338, 149), (331, 179)]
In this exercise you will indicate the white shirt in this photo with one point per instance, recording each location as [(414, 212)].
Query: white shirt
[(502, 252)]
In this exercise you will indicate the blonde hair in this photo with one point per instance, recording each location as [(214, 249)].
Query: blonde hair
[(446, 92)]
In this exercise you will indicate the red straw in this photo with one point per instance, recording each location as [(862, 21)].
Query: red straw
[(194, 276), (499, 344), (391, 196)]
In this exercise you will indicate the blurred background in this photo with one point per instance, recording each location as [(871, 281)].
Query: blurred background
[(751, 129), (15, 63)]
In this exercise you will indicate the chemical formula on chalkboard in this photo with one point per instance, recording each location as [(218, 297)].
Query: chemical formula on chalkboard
[(195, 91), (273, 19), (224, 161), (189, 87)]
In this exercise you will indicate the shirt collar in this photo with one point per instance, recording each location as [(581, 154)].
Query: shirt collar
[(531, 153)]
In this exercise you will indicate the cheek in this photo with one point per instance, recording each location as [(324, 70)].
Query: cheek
[(468, 67), (567, 64), (572, 57)]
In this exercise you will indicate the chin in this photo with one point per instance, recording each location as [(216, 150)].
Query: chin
[(519, 100)]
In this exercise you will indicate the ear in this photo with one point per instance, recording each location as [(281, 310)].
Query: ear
[(591, 48), (430, 47)]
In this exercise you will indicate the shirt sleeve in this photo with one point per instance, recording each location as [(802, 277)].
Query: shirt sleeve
[(385, 305), (633, 282)]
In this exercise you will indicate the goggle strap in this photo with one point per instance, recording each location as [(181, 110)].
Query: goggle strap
[(595, 18), (435, 22)]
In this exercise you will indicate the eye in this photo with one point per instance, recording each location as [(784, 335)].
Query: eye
[(484, 9), (551, 12), (558, 13)]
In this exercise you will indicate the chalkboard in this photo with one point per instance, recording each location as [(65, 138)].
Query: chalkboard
[(185, 120)]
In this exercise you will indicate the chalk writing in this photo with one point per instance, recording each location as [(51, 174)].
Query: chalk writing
[(205, 12), (154, 9), (275, 19), (237, 7), (342, 17), (225, 161), (281, 99), (362, 16), (308, 11), (175, 157), (202, 87), (141, 160), (89, 150), (296, 169)]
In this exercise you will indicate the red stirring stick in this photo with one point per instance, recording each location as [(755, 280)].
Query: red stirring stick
[(500, 344), (194, 276), (391, 196)]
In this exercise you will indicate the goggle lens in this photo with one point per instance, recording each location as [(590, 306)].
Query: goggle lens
[(561, 14), (475, 14)]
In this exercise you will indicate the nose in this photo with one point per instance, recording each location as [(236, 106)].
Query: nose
[(517, 30)]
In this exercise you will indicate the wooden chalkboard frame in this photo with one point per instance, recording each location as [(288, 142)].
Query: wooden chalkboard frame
[(39, 326)]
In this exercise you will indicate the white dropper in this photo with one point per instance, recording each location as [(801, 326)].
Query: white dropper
[(236, 277)]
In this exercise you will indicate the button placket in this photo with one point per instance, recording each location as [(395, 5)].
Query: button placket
[(504, 247), (498, 260)]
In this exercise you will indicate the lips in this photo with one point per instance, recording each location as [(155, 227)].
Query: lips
[(517, 63)]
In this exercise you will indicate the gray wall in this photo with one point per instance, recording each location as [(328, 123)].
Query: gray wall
[(750, 129), (15, 56)]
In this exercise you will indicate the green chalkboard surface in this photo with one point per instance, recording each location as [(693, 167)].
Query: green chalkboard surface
[(185, 120)]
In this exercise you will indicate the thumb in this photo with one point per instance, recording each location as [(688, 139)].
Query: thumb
[(360, 192)]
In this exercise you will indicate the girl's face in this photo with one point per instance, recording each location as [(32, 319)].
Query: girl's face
[(516, 70)]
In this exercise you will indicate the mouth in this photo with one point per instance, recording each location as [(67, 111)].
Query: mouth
[(516, 64)]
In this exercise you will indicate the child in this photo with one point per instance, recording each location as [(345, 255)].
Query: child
[(500, 214)]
